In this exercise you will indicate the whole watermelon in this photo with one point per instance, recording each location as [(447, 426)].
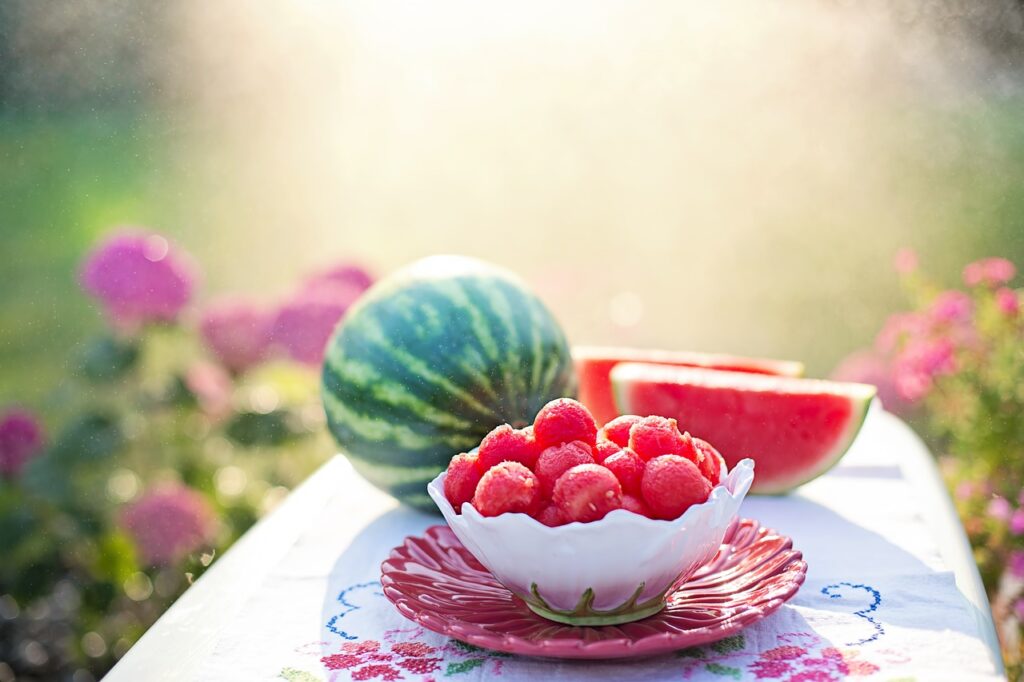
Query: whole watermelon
[(430, 360)]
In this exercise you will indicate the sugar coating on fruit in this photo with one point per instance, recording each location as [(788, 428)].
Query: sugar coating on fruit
[(587, 492), (635, 504), (628, 468), (617, 430), (563, 421), (552, 516), (461, 480), (505, 444), (507, 487), (558, 459), (711, 462), (605, 449), (655, 436), (671, 484)]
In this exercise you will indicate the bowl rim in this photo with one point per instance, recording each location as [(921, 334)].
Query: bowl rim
[(740, 478)]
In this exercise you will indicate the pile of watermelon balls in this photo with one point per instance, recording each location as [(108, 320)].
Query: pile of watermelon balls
[(563, 469)]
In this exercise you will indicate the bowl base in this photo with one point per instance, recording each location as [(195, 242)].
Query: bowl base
[(593, 619)]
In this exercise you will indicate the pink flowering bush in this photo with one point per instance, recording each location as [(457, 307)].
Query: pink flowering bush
[(954, 366), (180, 425)]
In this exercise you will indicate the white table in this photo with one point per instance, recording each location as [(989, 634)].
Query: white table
[(839, 514)]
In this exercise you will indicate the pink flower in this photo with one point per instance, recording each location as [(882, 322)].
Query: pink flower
[(905, 261), (237, 332), (964, 490), (1018, 610), (917, 365), (1017, 522), (868, 367), (168, 523), (138, 277), (347, 277), (1007, 302), (900, 328), (989, 271), (304, 324), (211, 386), (21, 439), (951, 307), (1016, 563), (999, 508)]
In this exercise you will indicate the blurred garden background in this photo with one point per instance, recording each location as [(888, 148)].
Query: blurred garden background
[(725, 178)]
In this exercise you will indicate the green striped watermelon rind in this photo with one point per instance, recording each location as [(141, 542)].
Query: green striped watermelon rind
[(861, 397), (429, 361)]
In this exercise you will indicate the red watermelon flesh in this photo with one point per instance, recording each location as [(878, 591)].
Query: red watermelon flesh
[(594, 365), (794, 429)]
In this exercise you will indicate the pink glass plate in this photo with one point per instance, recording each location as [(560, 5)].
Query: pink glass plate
[(436, 582)]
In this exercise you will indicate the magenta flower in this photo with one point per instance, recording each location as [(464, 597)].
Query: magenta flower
[(1017, 522), (347, 278), (900, 328), (1016, 563), (1007, 302), (168, 523), (989, 271), (21, 439), (303, 325), (138, 277), (916, 366), (905, 261), (237, 332), (868, 367), (951, 307), (999, 508)]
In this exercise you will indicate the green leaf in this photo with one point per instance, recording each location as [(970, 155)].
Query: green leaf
[(723, 670), (463, 666), (105, 359), (90, 437), (729, 644), (251, 429)]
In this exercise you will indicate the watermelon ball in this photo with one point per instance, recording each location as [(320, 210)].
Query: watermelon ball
[(505, 444), (671, 484), (605, 449), (552, 516), (587, 492), (635, 504), (461, 480), (655, 436), (628, 468), (617, 430), (556, 460), (711, 463), (507, 487), (563, 421)]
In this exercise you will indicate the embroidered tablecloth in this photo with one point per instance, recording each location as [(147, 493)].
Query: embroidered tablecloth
[(880, 601)]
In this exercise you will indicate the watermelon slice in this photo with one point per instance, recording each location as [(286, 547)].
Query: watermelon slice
[(594, 364), (794, 429)]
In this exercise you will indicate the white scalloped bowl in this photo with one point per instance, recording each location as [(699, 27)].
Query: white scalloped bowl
[(615, 570)]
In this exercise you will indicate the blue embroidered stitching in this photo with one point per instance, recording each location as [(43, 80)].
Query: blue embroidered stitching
[(349, 608), (876, 601)]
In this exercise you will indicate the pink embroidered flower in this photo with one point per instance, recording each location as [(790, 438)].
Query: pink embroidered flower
[(138, 277), (999, 508), (868, 367), (1016, 563), (384, 672), (989, 271), (1007, 302), (168, 523), (304, 324), (21, 439), (905, 261), (951, 307), (237, 332)]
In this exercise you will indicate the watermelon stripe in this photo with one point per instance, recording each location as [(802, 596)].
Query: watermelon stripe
[(506, 313), (478, 301), (374, 333), (368, 382)]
